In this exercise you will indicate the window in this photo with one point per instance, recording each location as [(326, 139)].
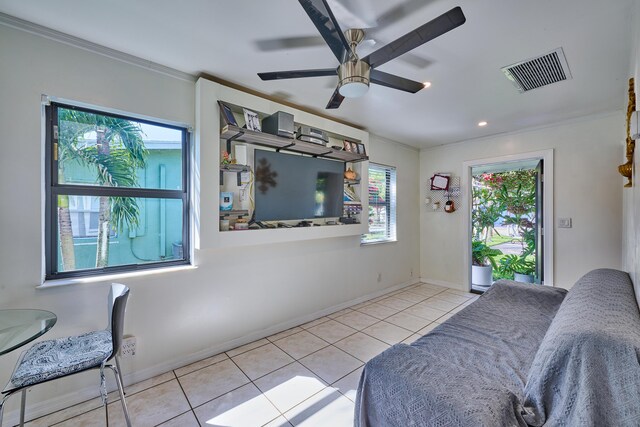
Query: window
[(117, 194), (382, 204)]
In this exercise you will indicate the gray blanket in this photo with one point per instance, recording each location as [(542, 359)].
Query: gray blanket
[(469, 371), (587, 370)]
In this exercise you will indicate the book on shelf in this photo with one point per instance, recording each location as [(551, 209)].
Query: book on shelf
[(350, 195)]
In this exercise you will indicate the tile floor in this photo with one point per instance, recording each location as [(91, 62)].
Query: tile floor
[(304, 376)]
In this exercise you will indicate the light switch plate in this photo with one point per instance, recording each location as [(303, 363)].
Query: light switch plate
[(564, 222)]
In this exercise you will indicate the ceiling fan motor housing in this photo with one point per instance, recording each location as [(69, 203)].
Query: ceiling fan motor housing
[(353, 78)]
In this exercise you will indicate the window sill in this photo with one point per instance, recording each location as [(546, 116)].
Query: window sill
[(378, 242), (110, 277)]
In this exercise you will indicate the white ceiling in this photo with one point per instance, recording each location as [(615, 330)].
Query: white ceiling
[(220, 38)]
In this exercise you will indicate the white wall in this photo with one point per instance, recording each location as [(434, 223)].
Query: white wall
[(631, 211), (587, 188), (235, 295)]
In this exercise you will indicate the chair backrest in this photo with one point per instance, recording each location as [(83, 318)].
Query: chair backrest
[(118, 295)]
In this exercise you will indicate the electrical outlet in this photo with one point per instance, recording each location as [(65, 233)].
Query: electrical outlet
[(564, 222), (129, 347)]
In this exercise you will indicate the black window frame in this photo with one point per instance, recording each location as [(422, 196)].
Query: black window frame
[(53, 189)]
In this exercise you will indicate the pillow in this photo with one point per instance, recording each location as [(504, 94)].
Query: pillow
[(586, 371)]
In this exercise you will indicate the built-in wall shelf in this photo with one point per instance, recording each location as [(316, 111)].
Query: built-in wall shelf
[(213, 135), (237, 169), (235, 133), (234, 213)]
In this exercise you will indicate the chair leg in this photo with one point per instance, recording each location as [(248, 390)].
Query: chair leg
[(23, 406), (121, 392), (2, 407), (117, 357), (4, 399)]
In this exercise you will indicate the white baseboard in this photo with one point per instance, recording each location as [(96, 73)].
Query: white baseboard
[(456, 286), (58, 403)]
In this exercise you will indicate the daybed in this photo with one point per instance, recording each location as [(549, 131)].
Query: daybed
[(520, 355)]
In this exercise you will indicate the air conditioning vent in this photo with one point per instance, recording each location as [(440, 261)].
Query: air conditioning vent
[(540, 71)]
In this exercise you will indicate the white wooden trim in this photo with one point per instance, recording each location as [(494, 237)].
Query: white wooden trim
[(547, 203)]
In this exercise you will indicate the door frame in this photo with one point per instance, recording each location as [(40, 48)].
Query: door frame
[(547, 206)]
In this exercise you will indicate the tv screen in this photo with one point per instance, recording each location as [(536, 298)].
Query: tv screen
[(294, 187)]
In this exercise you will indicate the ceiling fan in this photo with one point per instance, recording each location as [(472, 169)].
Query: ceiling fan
[(354, 73)]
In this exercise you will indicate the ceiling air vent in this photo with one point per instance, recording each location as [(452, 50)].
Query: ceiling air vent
[(537, 72)]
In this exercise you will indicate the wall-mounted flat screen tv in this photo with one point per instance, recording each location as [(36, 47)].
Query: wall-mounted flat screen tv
[(291, 187)]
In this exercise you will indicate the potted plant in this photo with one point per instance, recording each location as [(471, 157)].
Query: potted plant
[(518, 268), (482, 263)]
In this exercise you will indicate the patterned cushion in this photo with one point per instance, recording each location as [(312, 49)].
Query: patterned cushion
[(51, 359)]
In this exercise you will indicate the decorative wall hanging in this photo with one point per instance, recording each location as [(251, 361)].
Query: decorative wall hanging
[(439, 199), (626, 169)]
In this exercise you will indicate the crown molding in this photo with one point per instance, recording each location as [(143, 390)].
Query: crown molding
[(30, 27)]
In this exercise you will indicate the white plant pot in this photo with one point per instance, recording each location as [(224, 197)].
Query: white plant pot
[(525, 278), (482, 275)]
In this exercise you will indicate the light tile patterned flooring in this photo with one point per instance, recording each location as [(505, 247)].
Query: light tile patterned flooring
[(304, 376)]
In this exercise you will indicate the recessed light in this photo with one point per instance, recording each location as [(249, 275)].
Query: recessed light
[(426, 84), (482, 124)]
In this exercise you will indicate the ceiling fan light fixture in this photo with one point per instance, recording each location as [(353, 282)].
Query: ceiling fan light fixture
[(353, 89), (353, 79)]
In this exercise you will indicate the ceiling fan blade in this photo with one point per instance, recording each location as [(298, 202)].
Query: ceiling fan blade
[(395, 82), (429, 31), (269, 45), (296, 74), (327, 25), (335, 101)]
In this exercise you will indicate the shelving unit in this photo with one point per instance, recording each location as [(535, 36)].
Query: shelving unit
[(238, 169), (212, 137), (234, 133), (234, 213)]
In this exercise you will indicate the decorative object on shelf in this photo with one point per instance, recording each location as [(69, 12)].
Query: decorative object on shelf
[(435, 206), (336, 147), (227, 114), (440, 182), (226, 201), (241, 224), (350, 174), (252, 120), (427, 201), (361, 149), (280, 124), (626, 169), (226, 159), (224, 225), (311, 134), (348, 147), (348, 220), (350, 195)]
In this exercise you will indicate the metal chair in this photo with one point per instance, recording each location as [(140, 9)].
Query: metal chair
[(53, 359)]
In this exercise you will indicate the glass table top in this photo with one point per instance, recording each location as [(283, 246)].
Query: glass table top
[(20, 326)]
